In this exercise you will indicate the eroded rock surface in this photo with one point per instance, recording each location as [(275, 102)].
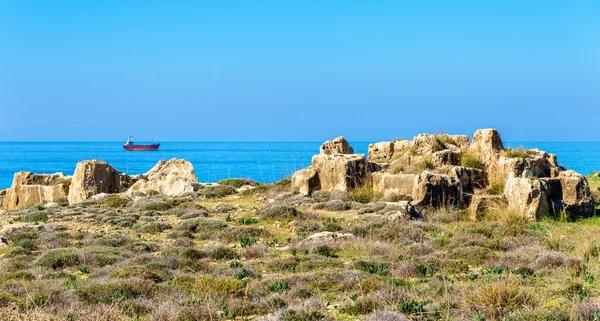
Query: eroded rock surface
[(29, 189), (94, 177), (172, 177)]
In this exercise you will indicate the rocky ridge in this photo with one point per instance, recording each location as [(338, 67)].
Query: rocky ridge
[(442, 171)]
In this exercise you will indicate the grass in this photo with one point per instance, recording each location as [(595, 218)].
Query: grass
[(471, 160), (518, 152), (194, 262), (237, 182)]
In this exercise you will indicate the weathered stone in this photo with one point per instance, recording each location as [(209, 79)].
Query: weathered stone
[(529, 196), (392, 185), (445, 157), (30, 189), (480, 203), (486, 145), (94, 177), (576, 195), (341, 172), (173, 177), (338, 145), (470, 178), (381, 152), (437, 190), (306, 180)]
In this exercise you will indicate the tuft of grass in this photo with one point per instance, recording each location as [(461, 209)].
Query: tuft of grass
[(496, 188), (365, 193), (224, 253), (496, 299), (359, 307), (117, 291), (471, 160), (519, 152)]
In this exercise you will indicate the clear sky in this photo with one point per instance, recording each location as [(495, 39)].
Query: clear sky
[(298, 70)]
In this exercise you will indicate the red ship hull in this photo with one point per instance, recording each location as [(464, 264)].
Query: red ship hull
[(141, 147)]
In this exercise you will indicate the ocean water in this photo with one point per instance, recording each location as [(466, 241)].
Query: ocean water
[(261, 161)]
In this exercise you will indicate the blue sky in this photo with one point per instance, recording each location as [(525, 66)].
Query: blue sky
[(298, 70)]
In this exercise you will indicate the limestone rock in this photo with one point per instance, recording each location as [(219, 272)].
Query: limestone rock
[(576, 195), (445, 157), (381, 152), (341, 172), (437, 190), (94, 177), (337, 146), (470, 178), (486, 145), (172, 177), (392, 185), (529, 196), (30, 189), (306, 180)]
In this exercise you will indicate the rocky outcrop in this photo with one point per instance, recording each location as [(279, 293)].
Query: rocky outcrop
[(440, 170), (29, 189), (382, 151), (173, 177), (333, 172), (93, 177), (437, 190), (394, 185), (306, 180), (338, 145)]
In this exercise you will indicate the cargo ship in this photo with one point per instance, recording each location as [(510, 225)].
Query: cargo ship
[(130, 145)]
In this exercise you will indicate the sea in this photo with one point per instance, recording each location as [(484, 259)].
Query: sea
[(214, 161)]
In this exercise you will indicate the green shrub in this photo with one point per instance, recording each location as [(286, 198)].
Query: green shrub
[(371, 267), (216, 191), (246, 241), (247, 220), (114, 201), (324, 250), (193, 254), (496, 189), (498, 298), (279, 212), (58, 258), (237, 182), (224, 253), (279, 287), (293, 315), (158, 206), (359, 307), (198, 224), (152, 227), (116, 291), (412, 306), (34, 217)]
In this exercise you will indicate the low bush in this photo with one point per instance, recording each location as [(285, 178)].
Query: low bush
[(237, 182), (34, 217), (332, 206), (198, 224), (114, 201), (293, 315), (279, 212), (359, 307), (224, 253), (58, 258), (471, 161), (216, 191), (158, 206), (152, 227), (117, 291)]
